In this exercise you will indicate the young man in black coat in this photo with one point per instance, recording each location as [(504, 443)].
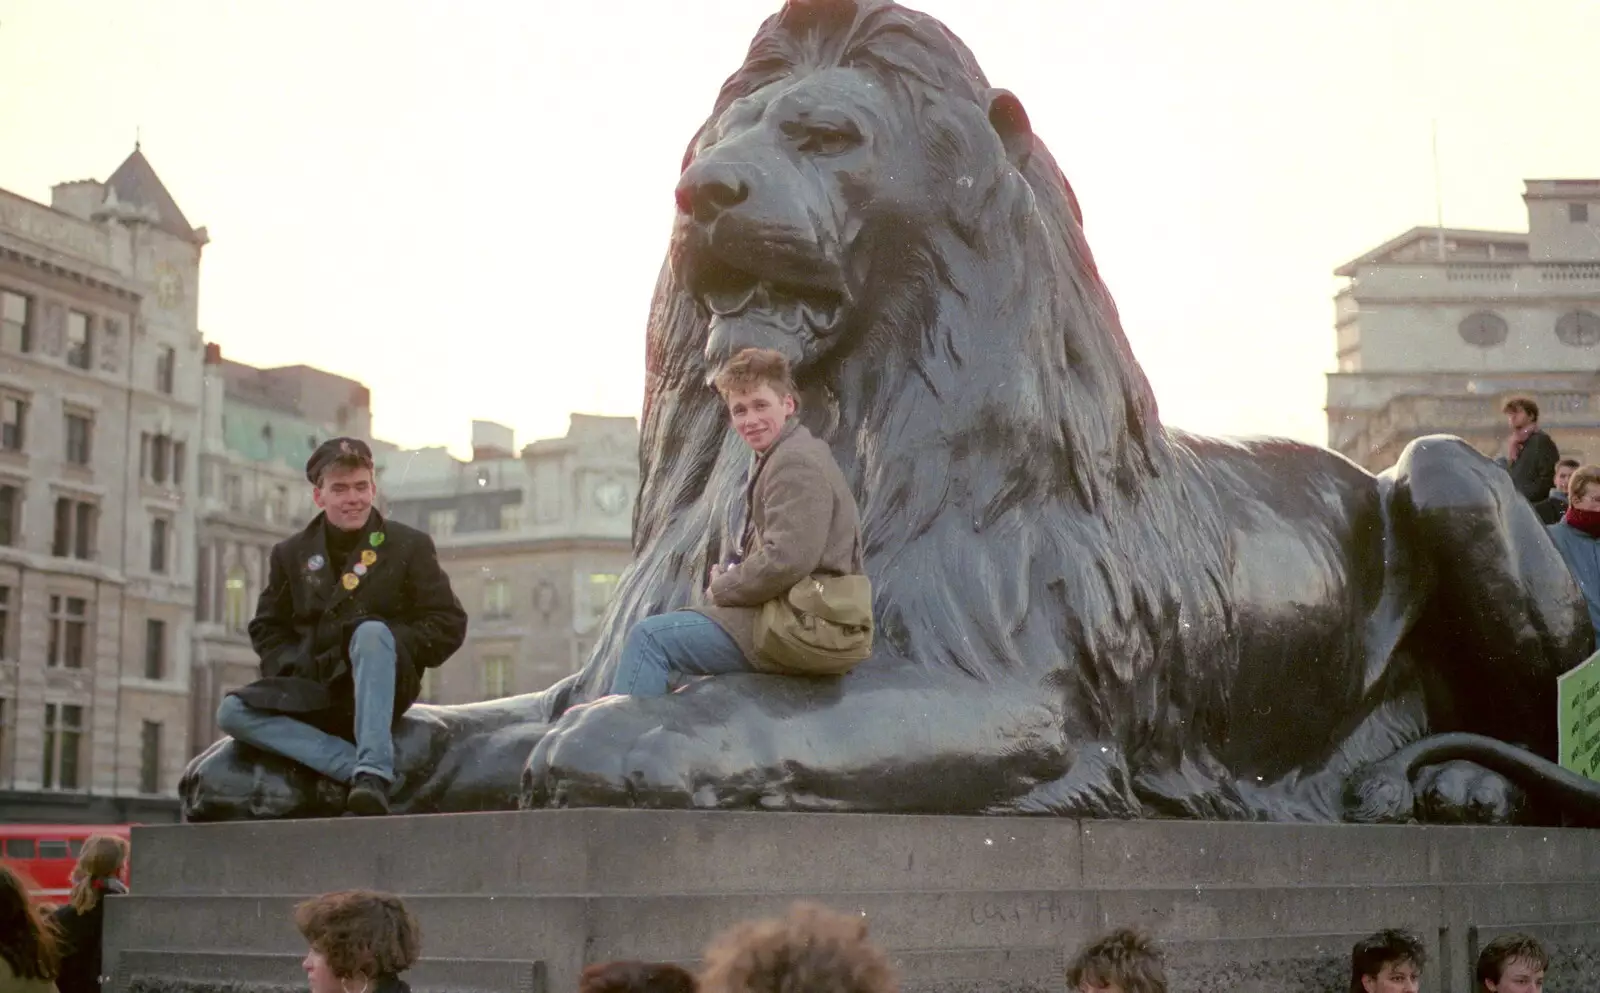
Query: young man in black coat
[(1531, 455), (354, 609)]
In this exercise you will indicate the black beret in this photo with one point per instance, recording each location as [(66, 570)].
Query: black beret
[(332, 450)]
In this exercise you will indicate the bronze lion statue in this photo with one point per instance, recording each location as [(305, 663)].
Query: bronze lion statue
[(1081, 611)]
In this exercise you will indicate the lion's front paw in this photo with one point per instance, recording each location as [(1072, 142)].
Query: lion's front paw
[(619, 752), (1467, 793), (233, 782), (1380, 793)]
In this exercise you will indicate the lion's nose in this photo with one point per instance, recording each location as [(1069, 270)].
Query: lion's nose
[(706, 189)]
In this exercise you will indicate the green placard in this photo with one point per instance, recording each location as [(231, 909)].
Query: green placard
[(1578, 709)]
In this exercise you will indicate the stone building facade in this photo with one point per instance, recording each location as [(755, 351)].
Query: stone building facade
[(99, 425), (259, 428), (1438, 327), (534, 544)]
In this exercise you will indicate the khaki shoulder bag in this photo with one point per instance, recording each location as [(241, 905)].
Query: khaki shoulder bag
[(821, 627)]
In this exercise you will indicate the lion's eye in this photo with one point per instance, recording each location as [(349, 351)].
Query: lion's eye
[(828, 139)]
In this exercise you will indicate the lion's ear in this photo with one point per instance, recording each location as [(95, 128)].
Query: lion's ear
[(1010, 122)]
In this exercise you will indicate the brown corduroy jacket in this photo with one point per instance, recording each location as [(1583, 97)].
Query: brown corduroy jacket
[(805, 523)]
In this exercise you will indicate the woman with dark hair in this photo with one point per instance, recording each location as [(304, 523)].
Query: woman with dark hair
[(82, 920), (360, 942), (29, 958)]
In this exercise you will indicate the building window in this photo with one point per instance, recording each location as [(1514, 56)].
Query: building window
[(13, 422), (1483, 329), (75, 523), (150, 758), (69, 632), (1580, 329), (6, 776), (496, 599), (80, 344), (233, 493), (10, 514), (155, 648), (1578, 213), (160, 540), (166, 370), (442, 523), (496, 676), (80, 435), (233, 599), (16, 322), (5, 623), (63, 737), (511, 517)]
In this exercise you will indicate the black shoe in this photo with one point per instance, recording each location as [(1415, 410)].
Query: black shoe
[(369, 796)]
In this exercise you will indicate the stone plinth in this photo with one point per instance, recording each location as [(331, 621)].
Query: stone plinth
[(520, 901)]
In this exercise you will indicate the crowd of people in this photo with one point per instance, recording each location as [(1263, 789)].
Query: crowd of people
[(360, 941), (47, 949)]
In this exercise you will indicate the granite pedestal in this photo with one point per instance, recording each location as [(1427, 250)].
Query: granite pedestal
[(521, 901)]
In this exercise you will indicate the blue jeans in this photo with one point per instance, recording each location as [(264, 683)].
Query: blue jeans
[(372, 663), (662, 647)]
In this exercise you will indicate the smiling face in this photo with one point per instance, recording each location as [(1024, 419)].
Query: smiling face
[(780, 191), (759, 414), (346, 495)]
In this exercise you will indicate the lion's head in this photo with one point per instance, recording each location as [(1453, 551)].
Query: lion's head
[(863, 200)]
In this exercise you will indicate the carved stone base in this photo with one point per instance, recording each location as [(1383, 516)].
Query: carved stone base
[(522, 900)]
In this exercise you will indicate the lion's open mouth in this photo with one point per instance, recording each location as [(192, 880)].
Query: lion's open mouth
[(730, 292)]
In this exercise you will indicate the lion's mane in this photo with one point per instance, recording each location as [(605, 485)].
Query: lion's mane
[(1026, 515)]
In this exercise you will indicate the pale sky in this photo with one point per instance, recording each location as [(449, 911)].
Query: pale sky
[(465, 204)]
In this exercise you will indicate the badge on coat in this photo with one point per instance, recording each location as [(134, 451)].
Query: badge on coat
[(359, 569), (351, 581), (315, 562), (368, 556), (376, 538)]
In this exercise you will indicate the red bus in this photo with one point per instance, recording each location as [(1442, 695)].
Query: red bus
[(47, 853)]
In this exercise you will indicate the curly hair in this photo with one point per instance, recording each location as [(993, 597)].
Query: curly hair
[(754, 368), (812, 950), (636, 977), (360, 932), (1372, 954), (1125, 959), (28, 941)]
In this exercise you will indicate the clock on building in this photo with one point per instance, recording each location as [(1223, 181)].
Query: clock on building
[(169, 286), (1484, 329), (1579, 329), (611, 496)]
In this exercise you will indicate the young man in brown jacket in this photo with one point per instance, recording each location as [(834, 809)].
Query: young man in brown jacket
[(800, 520)]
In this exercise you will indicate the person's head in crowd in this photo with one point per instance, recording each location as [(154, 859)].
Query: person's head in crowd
[(1564, 470), (100, 862), (27, 941), (358, 940), (1512, 963), (1521, 413), (812, 950), (1583, 489), (1123, 961), (343, 486), (759, 392), (1390, 961), (636, 977)]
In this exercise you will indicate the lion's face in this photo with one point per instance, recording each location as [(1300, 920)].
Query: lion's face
[(784, 194)]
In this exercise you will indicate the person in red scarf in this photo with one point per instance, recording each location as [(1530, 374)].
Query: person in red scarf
[(1577, 536), (1531, 455)]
